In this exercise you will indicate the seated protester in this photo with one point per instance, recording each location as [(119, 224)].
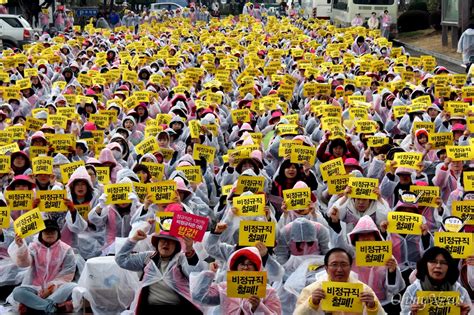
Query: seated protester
[(338, 265), (350, 210), (386, 281), (435, 271), (337, 148), (205, 290), (48, 285), (433, 215), (311, 212), (114, 220), (466, 277), (91, 170), (408, 248), (221, 252), (164, 284), (396, 179)]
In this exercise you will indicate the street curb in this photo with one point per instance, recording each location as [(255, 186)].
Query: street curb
[(429, 52)]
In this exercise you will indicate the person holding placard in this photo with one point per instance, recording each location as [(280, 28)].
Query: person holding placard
[(114, 220), (338, 265), (107, 158), (164, 285), (408, 248), (337, 148), (135, 135), (385, 280), (350, 209), (436, 272), (206, 291), (396, 179), (48, 285)]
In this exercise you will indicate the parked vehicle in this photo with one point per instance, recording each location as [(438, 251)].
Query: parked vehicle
[(15, 31)]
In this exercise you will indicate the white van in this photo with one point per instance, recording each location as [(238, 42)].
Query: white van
[(15, 31)]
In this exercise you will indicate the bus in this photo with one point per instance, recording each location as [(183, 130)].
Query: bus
[(344, 11), (322, 8)]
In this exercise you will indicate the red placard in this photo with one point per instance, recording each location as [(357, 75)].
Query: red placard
[(189, 225)]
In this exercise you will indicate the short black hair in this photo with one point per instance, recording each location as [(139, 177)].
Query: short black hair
[(336, 250), (422, 265)]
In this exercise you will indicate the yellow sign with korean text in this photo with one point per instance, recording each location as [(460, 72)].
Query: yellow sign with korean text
[(459, 244), (342, 297), (162, 192), (408, 159), (254, 184), (373, 253), (4, 217), (297, 198), (148, 145), (193, 173), (118, 193), (303, 153), (363, 187), (204, 151), (337, 184), (29, 223), (440, 140), (42, 165), (156, 169), (460, 153), (427, 195), (404, 223), (251, 232), (438, 302), (67, 170), (464, 210), (4, 164), (103, 174), (244, 284), (366, 126), (331, 168), (19, 199), (252, 205), (51, 200)]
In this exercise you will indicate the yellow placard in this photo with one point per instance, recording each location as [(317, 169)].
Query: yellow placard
[(438, 302), (29, 223), (141, 189), (408, 159), (162, 192), (373, 253), (468, 181), (18, 132), (148, 145), (468, 92), (440, 140), (156, 169), (254, 184), (363, 188), (303, 153), (103, 174), (429, 126), (193, 173), (204, 151), (404, 223), (52, 200), (284, 149), (426, 195), (42, 165), (331, 168), (459, 244), (101, 121), (33, 124), (67, 170), (12, 148), (252, 205), (377, 142), (4, 164), (240, 116), (244, 284), (399, 111), (38, 150), (342, 297), (297, 199), (118, 193), (464, 210), (19, 199), (251, 232), (337, 184), (4, 217), (61, 143), (194, 128), (460, 153), (286, 129)]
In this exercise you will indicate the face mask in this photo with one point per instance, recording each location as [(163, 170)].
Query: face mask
[(117, 154)]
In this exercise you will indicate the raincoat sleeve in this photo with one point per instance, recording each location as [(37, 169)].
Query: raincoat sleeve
[(376, 169), (409, 298), (20, 255), (99, 220), (203, 288), (217, 249), (303, 307), (77, 225), (398, 285), (133, 262), (387, 187)]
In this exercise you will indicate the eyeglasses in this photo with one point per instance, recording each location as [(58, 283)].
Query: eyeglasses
[(339, 265), (436, 262), (247, 265)]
